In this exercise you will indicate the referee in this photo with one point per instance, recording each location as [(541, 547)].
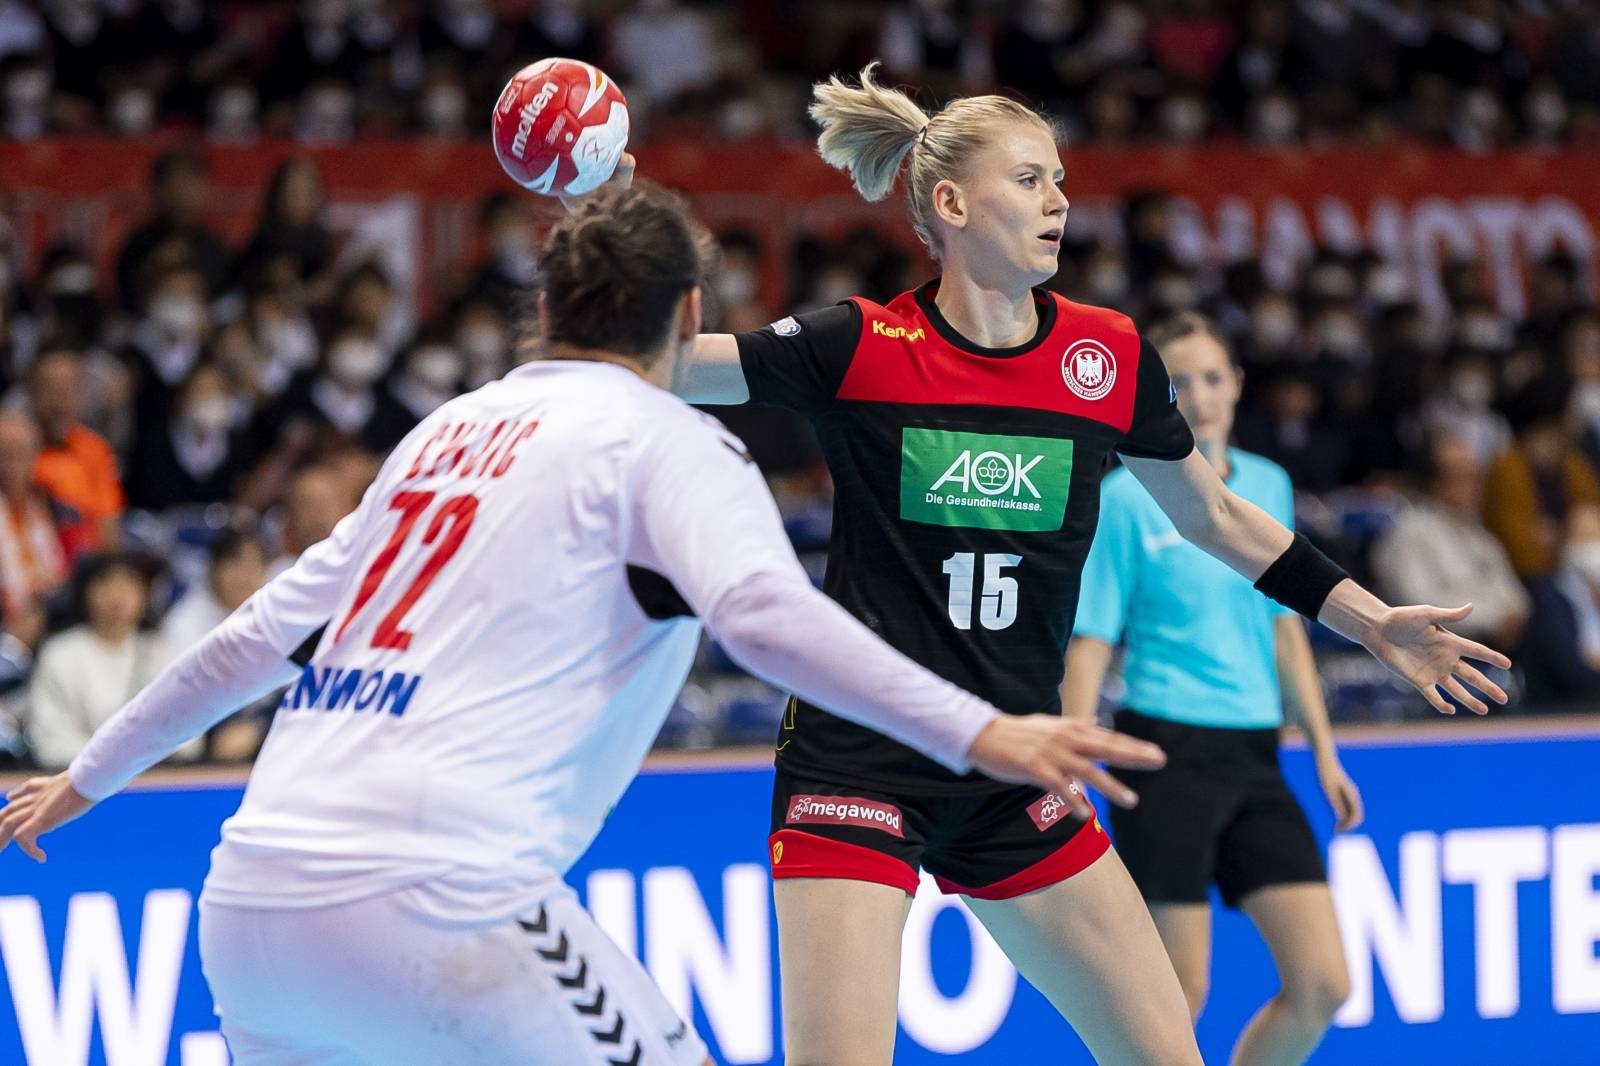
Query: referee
[(1206, 655)]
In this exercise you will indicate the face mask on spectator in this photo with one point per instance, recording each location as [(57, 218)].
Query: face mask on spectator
[(1176, 292), (1342, 336), (1583, 557), (1275, 327), (1276, 120), (1586, 400), (444, 108), (482, 343), (1386, 286), (1484, 331), (1472, 389), (233, 112), (1108, 283), (179, 317), (133, 111), (736, 286), (27, 89), (513, 250), (438, 368), (209, 414), (357, 363)]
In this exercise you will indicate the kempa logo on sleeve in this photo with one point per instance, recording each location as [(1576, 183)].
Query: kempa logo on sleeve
[(984, 481)]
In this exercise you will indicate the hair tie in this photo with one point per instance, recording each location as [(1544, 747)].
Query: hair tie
[(922, 134)]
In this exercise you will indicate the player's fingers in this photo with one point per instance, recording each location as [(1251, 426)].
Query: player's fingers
[(1061, 780), (1475, 677), (1129, 753), (28, 841), (1471, 649), (1463, 697), (1430, 692), (1110, 787), (1358, 809), (22, 791), (1441, 615)]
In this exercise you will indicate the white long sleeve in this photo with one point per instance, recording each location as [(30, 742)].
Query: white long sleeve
[(788, 633), (243, 659), (232, 666)]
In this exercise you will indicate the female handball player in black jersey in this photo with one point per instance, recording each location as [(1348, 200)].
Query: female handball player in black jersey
[(966, 425)]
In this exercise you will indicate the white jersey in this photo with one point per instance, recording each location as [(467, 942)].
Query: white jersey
[(489, 681), (489, 644)]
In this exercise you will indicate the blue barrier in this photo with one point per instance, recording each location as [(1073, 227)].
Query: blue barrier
[(1469, 900)]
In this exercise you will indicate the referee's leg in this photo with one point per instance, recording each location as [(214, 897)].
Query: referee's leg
[(1088, 943)]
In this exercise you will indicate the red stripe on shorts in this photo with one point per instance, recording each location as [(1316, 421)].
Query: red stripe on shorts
[(797, 854), (1071, 858)]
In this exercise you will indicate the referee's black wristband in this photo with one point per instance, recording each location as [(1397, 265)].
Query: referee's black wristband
[(1301, 578)]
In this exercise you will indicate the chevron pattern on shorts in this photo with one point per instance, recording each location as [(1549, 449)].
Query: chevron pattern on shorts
[(589, 1002)]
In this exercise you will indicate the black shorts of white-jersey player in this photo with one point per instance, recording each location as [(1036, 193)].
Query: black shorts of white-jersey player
[(965, 425)]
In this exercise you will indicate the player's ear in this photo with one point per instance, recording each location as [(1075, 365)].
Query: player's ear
[(690, 308), (950, 204), (544, 315)]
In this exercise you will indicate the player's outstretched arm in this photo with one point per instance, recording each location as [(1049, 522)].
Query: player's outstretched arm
[(1411, 641)]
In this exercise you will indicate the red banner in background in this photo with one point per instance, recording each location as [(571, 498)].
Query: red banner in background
[(414, 203)]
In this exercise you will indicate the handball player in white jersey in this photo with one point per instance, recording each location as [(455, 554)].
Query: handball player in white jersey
[(478, 659)]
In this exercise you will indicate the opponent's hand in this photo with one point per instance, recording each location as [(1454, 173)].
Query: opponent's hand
[(1053, 752), (37, 806), (620, 178), (1413, 642), (1343, 795)]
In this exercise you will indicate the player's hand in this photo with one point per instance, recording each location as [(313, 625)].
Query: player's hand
[(37, 806), (1414, 643), (620, 178), (1053, 752), (1343, 795)]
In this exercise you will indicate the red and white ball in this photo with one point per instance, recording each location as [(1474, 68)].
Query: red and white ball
[(559, 127)]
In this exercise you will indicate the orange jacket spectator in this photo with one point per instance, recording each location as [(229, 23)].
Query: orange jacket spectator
[(1521, 516), (76, 467)]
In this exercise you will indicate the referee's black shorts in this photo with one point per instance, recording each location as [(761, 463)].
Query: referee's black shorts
[(1218, 812)]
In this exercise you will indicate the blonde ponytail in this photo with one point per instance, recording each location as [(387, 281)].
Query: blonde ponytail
[(869, 130), (866, 130)]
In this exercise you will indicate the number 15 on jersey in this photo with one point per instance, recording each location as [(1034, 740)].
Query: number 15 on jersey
[(997, 603)]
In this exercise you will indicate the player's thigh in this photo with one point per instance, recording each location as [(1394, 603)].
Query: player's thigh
[(839, 967), (388, 986), (1088, 943), (1185, 930), (1301, 930)]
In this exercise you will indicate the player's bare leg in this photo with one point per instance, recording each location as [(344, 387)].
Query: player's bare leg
[(1298, 924), (1089, 945), (839, 967), (1185, 930)]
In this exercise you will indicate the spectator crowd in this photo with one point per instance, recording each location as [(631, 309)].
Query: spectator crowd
[(1478, 74), (179, 424)]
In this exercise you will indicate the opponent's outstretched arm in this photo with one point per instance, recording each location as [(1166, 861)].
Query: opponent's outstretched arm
[(1411, 641)]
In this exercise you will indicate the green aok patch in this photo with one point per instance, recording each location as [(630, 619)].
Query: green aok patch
[(984, 481)]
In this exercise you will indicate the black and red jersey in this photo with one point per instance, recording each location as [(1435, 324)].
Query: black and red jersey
[(966, 494)]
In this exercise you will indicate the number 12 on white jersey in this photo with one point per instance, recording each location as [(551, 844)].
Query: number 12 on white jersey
[(997, 607)]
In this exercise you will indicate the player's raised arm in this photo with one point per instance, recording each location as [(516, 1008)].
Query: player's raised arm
[(1411, 641)]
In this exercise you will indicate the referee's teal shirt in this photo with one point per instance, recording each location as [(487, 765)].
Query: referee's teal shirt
[(1200, 640)]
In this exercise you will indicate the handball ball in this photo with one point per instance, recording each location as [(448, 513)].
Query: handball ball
[(560, 126)]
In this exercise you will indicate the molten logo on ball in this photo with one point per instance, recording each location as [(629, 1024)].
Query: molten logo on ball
[(559, 127), (519, 144)]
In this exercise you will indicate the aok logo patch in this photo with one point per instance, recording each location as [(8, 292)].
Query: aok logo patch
[(984, 481)]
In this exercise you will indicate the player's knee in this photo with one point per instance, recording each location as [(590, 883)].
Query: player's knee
[(1315, 997)]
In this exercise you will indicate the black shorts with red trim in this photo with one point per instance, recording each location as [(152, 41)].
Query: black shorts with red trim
[(992, 845)]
